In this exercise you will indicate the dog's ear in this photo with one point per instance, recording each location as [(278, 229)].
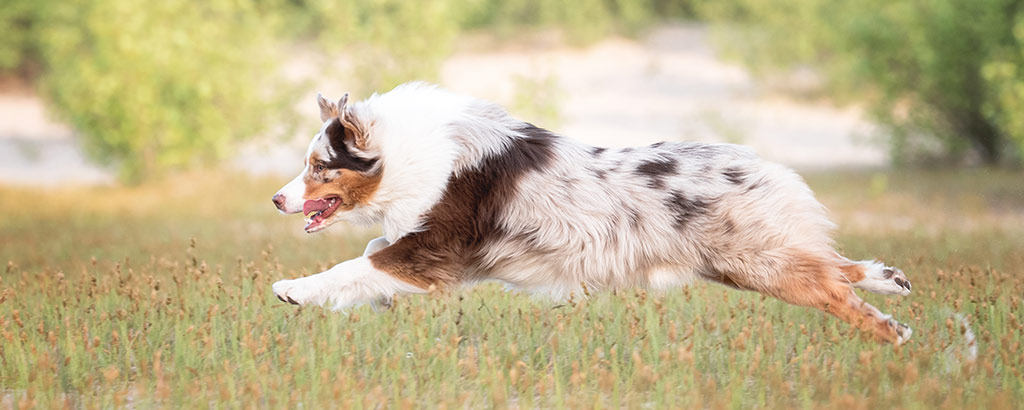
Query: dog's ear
[(354, 126), (341, 105), (328, 109)]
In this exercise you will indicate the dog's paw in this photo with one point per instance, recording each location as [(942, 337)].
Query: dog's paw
[(898, 278), (294, 292), (903, 332), (886, 280)]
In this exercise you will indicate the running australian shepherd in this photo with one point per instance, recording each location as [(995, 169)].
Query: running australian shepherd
[(465, 193)]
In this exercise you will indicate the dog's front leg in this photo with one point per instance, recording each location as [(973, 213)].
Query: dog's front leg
[(347, 284)]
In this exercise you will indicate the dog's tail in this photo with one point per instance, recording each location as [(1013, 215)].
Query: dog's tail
[(963, 345), (970, 343)]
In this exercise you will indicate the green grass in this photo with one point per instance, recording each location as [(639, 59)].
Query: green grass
[(108, 301)]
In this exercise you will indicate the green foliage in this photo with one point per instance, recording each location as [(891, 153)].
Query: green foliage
[(1005, 76), (945, 75), (388, 42), (583, 20), (17, 22), (176, 83), (167, 88)]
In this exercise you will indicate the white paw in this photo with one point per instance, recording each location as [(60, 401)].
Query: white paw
[(903, 332), (885, 280), (296, 292)]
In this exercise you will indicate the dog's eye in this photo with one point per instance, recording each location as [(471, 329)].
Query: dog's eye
[(319, 168)]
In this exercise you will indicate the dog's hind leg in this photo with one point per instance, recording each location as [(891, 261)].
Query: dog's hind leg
[(822, 283), (852, 309), (875, 277), (804, 279)]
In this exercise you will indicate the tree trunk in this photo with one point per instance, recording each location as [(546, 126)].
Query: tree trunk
[(983, 135)]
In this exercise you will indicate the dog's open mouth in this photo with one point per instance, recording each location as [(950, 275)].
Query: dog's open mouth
[(318, 210)]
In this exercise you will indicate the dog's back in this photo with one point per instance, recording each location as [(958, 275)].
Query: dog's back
[(655, 216)]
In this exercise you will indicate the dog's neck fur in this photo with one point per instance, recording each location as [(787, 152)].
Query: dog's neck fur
[(426, 148)]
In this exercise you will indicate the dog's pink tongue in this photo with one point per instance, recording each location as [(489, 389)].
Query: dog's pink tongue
[(313, 206)]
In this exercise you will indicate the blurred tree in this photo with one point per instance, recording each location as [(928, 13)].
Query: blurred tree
[(168, 87), (396, 41), (19, 49), (174, 83), (1004, 74), (583, 21), (944, 75)]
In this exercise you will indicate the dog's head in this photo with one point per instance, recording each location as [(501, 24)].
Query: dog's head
[(341, 171)]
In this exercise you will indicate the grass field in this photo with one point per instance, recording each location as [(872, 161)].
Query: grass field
[(160, 295)]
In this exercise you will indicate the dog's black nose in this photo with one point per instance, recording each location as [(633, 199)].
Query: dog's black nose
[(278, 201)]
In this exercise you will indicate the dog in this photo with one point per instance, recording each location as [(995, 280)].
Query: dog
[(464, 193)]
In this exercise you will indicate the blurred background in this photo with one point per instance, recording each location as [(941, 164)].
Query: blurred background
[(116, 92), (140, 144)]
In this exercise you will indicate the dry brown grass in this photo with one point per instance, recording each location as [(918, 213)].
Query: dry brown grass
[(107, 302)]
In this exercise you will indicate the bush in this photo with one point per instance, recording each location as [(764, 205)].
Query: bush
[(941, 74), (388, 42), (18, 18), (582, 20), (175, 83), (170, 87), (1005, 76)]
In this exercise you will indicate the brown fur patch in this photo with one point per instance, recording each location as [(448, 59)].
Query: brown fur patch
[(466, 217), (355, 129), (815, 281), (853, 272), (808, 280), (858, 313), (352, 187), (726, 280)]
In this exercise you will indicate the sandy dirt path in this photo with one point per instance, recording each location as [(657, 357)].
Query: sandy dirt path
[(671, 86)]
